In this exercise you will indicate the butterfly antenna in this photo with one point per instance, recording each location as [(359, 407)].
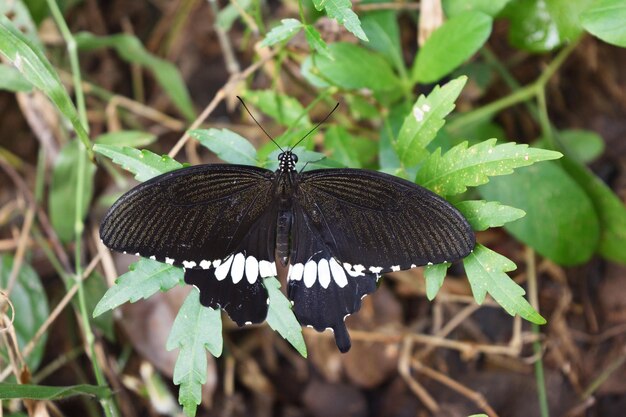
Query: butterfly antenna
[(316, 126), (259, 124)]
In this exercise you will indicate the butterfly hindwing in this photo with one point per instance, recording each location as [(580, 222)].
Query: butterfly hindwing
[(380, 222), (323, 291)]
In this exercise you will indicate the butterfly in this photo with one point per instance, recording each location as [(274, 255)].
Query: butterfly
[(337, 230)]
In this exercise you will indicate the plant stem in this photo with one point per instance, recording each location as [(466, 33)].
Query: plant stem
[(531, 273)]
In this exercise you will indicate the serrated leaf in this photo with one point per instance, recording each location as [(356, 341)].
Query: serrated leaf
[(463, 167), (131, 50), (315, 41), (62, 197), (485, 214), (452, 8), (227, 145), (280, 316), (196, 329), (425, 119), (605, 20), (286, 30), (341, 10), (434, 276), (31, 62), (30, 306), (450, 45), (561, 223), (284, 109), (144, 164), (10, 391), (12, 80), (144, 278), (132, 138), (486, 273)]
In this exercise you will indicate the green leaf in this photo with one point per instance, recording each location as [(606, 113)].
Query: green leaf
[(485, 214), (490, 7), (342, 146), (227, 16), (434, 276), (196, 329), (132, 138), (609, 208), (463, 167), (144, 164), (62, 198), (30, 309), (605, 20), (12, 80), (424, 121), (543, 25), (561, 223), (383, 32), (131, 50), (486, 274), (20, 15), (280, 316), (144, 278), (286, 30), (44, 392), (284, 109), (227, 145), (450, 45), (30, 61), (583, 145), (341, 11), (315, 41), (354, 68)]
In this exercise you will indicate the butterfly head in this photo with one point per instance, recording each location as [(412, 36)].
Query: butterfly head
[(287, 161)]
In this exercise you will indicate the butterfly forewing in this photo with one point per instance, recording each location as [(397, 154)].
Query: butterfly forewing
[(381, 222)]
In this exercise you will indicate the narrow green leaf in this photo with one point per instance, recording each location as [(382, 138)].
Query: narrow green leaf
[(450, 45), (284, 109), (561, 223), (131, 50), (30, 309), (424, 121), (20, 15), (227, 145), (341, 10), (144, 278), (12, 80), (44, 392), (132, 138), (434, 276), (486, 274), (315, 41), (485, 214), (286, 30), (491, 7), (31, 62), (196, 329), (62, 197), (95, 288), (280, 316), (609, 208), (605, 19), (354, 68), (144, 164), (463, 167)]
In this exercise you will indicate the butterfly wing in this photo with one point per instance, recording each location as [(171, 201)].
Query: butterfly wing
[(352, 225), (216, 221)]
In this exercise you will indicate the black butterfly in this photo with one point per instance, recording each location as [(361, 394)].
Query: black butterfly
[(337, 229)]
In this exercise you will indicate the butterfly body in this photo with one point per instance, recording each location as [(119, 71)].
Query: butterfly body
[(337, 229)]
